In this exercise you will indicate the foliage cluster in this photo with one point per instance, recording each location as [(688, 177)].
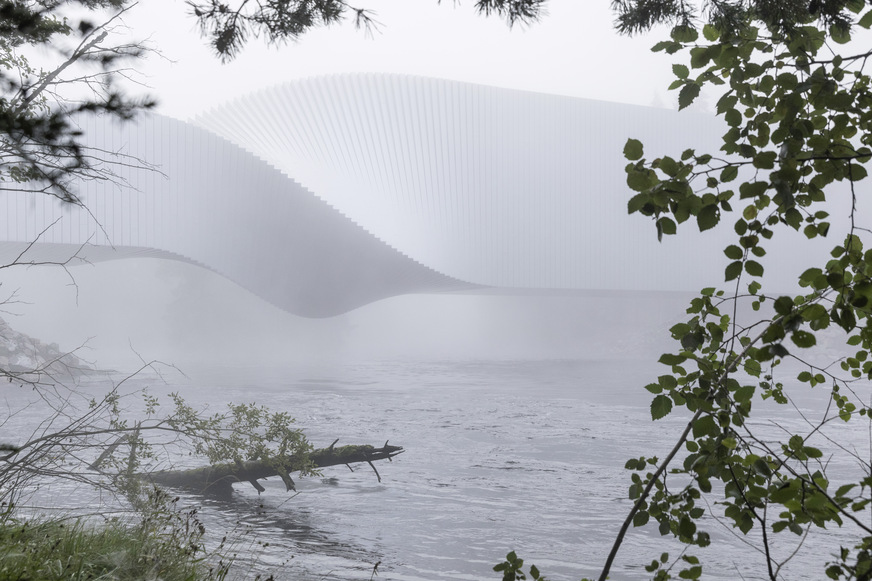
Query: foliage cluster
[(117, 437), (228, 25), (513, 569), (109, 443), (40, 146), (245, 432), (166, 543), (796, 106)]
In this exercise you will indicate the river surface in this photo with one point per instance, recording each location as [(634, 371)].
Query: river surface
[(500, 455)]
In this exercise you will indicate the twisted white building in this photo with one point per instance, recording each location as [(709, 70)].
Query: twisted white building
[(327, 194)]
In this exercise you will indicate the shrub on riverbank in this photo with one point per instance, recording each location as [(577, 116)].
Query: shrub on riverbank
[(165, 544)]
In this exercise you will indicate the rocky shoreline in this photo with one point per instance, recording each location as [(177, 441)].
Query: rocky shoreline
[(27, 358)]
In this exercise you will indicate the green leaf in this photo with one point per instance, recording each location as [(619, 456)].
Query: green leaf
[(654, 388), (746, 523), (752, 189), (640, 518), (683, 33), (666, 46), (640, 179), (669, 166), (733, 252), (705, 426), (660, 407), (686, 96), (783, 494), (708, 217), (700, 56), (692, 341), (667, 382), (733, 117), (710, 33), (777, 350), (667, 226), (765, 160), (866, 20), (694, 572), (686, 527), (633, 149), (733, 270), (681, 71), (729, 173), (803, 339), (840, 35), (812, 452), (637, 202), (844, 489), (679, 330), (744, 393), (779, 526), (754, 268), (793, 218), (664, 530), (809, 275), (670, 359), (752, 367), (726, 102), (761, 467)]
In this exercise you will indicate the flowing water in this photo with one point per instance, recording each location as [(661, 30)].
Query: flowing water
[(500, 455)]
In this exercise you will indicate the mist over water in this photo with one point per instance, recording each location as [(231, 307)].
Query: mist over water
[(185, 315), (517, 413)]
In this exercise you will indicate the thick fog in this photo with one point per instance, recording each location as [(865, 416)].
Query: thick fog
[(189, 316)]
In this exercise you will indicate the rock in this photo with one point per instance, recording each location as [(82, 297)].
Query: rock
[(30, 360)]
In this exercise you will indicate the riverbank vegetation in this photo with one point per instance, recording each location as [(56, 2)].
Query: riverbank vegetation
[(161, 542), (95, 450)]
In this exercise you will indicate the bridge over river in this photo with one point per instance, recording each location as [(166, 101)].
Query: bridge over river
[(327, 194)]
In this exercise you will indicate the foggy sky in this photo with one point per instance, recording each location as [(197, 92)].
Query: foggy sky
[(573, 51)]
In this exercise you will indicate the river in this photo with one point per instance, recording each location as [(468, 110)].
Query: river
[(500, 455)]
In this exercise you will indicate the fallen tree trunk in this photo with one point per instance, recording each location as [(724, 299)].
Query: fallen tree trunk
[(219, 478)]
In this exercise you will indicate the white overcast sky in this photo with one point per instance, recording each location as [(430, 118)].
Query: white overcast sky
[(572, 51)]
